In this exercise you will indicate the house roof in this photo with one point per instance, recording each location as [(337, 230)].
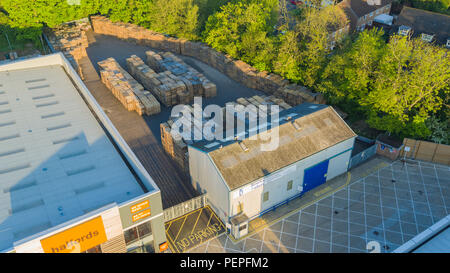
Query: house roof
[(422, 21), (364, 7), (318, 127), (351, 15), (56, 161)]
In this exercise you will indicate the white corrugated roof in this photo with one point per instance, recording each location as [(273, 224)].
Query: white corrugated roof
[(56, 162)]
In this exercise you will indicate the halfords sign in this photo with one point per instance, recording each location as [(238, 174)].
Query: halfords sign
[(77, 239)]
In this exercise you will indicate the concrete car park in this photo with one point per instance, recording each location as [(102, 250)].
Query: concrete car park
[(377, 212)]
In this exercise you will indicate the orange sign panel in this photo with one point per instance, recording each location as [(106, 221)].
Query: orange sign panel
[(76, 239), (141, 215), (140, 206), (163, 247)]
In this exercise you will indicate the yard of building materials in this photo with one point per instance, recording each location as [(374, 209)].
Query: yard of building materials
[(388, 206), (142, 133), (227, 89)]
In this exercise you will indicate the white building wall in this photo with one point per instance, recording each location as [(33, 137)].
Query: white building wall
[(276, 183), (206, 179)]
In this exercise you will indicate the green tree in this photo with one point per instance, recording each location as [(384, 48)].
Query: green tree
[(177, 17), (348, 76), (412, 78), (288, 59), (314, 31), (243, 30)]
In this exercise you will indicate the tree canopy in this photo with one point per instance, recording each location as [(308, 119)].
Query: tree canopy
[(400, 86)]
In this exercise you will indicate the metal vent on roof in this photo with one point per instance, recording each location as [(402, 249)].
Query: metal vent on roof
[(47, 104), (5, 111), (80, 170), (90, 188), (64, 140), (36, 80), (4, 102), (16, 168), (74, 154), (12, 152), (9, 137), (7, 123), (2, 92), (52, 115), (59, 127), (20, 186), (43, 96), (38, 87), (211, 145)]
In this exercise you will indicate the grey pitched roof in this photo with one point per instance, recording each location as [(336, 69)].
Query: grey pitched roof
[(423, 21), (364, 7)]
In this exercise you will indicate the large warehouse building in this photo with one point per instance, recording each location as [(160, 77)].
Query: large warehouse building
[(68, 181), (243, 182)]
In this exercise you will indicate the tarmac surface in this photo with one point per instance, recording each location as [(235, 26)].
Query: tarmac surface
[(378, 211)]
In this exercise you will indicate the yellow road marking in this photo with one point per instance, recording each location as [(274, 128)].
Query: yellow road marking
[(209, 220), (170, 224), (322, 191), (180, 229), (196, 221), (349, 175), (172, 244)]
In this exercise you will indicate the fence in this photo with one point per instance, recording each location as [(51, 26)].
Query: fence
[(426, 151), (185, 207), (365, 154)]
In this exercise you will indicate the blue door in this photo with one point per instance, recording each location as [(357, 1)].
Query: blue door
[(315, 176)]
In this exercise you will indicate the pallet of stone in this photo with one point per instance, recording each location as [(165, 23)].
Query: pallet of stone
[(126, 89), (195, 82), (168, 88)]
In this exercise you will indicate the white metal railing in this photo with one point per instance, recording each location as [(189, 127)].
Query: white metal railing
[(184, 208)]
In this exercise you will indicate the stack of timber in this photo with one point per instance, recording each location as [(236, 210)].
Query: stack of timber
[(71, 40), (194, 81), (168, 88), (126, 89), (175, 143), (297, 94)]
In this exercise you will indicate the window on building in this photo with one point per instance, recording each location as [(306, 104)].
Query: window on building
[(131, 235), (427, 37), (404, 30), (136, 233), (289, 185), (448, 43), (241, 228), (144, 229), (266, 196)]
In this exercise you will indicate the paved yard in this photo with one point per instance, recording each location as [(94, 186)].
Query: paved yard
[(389, 207)]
